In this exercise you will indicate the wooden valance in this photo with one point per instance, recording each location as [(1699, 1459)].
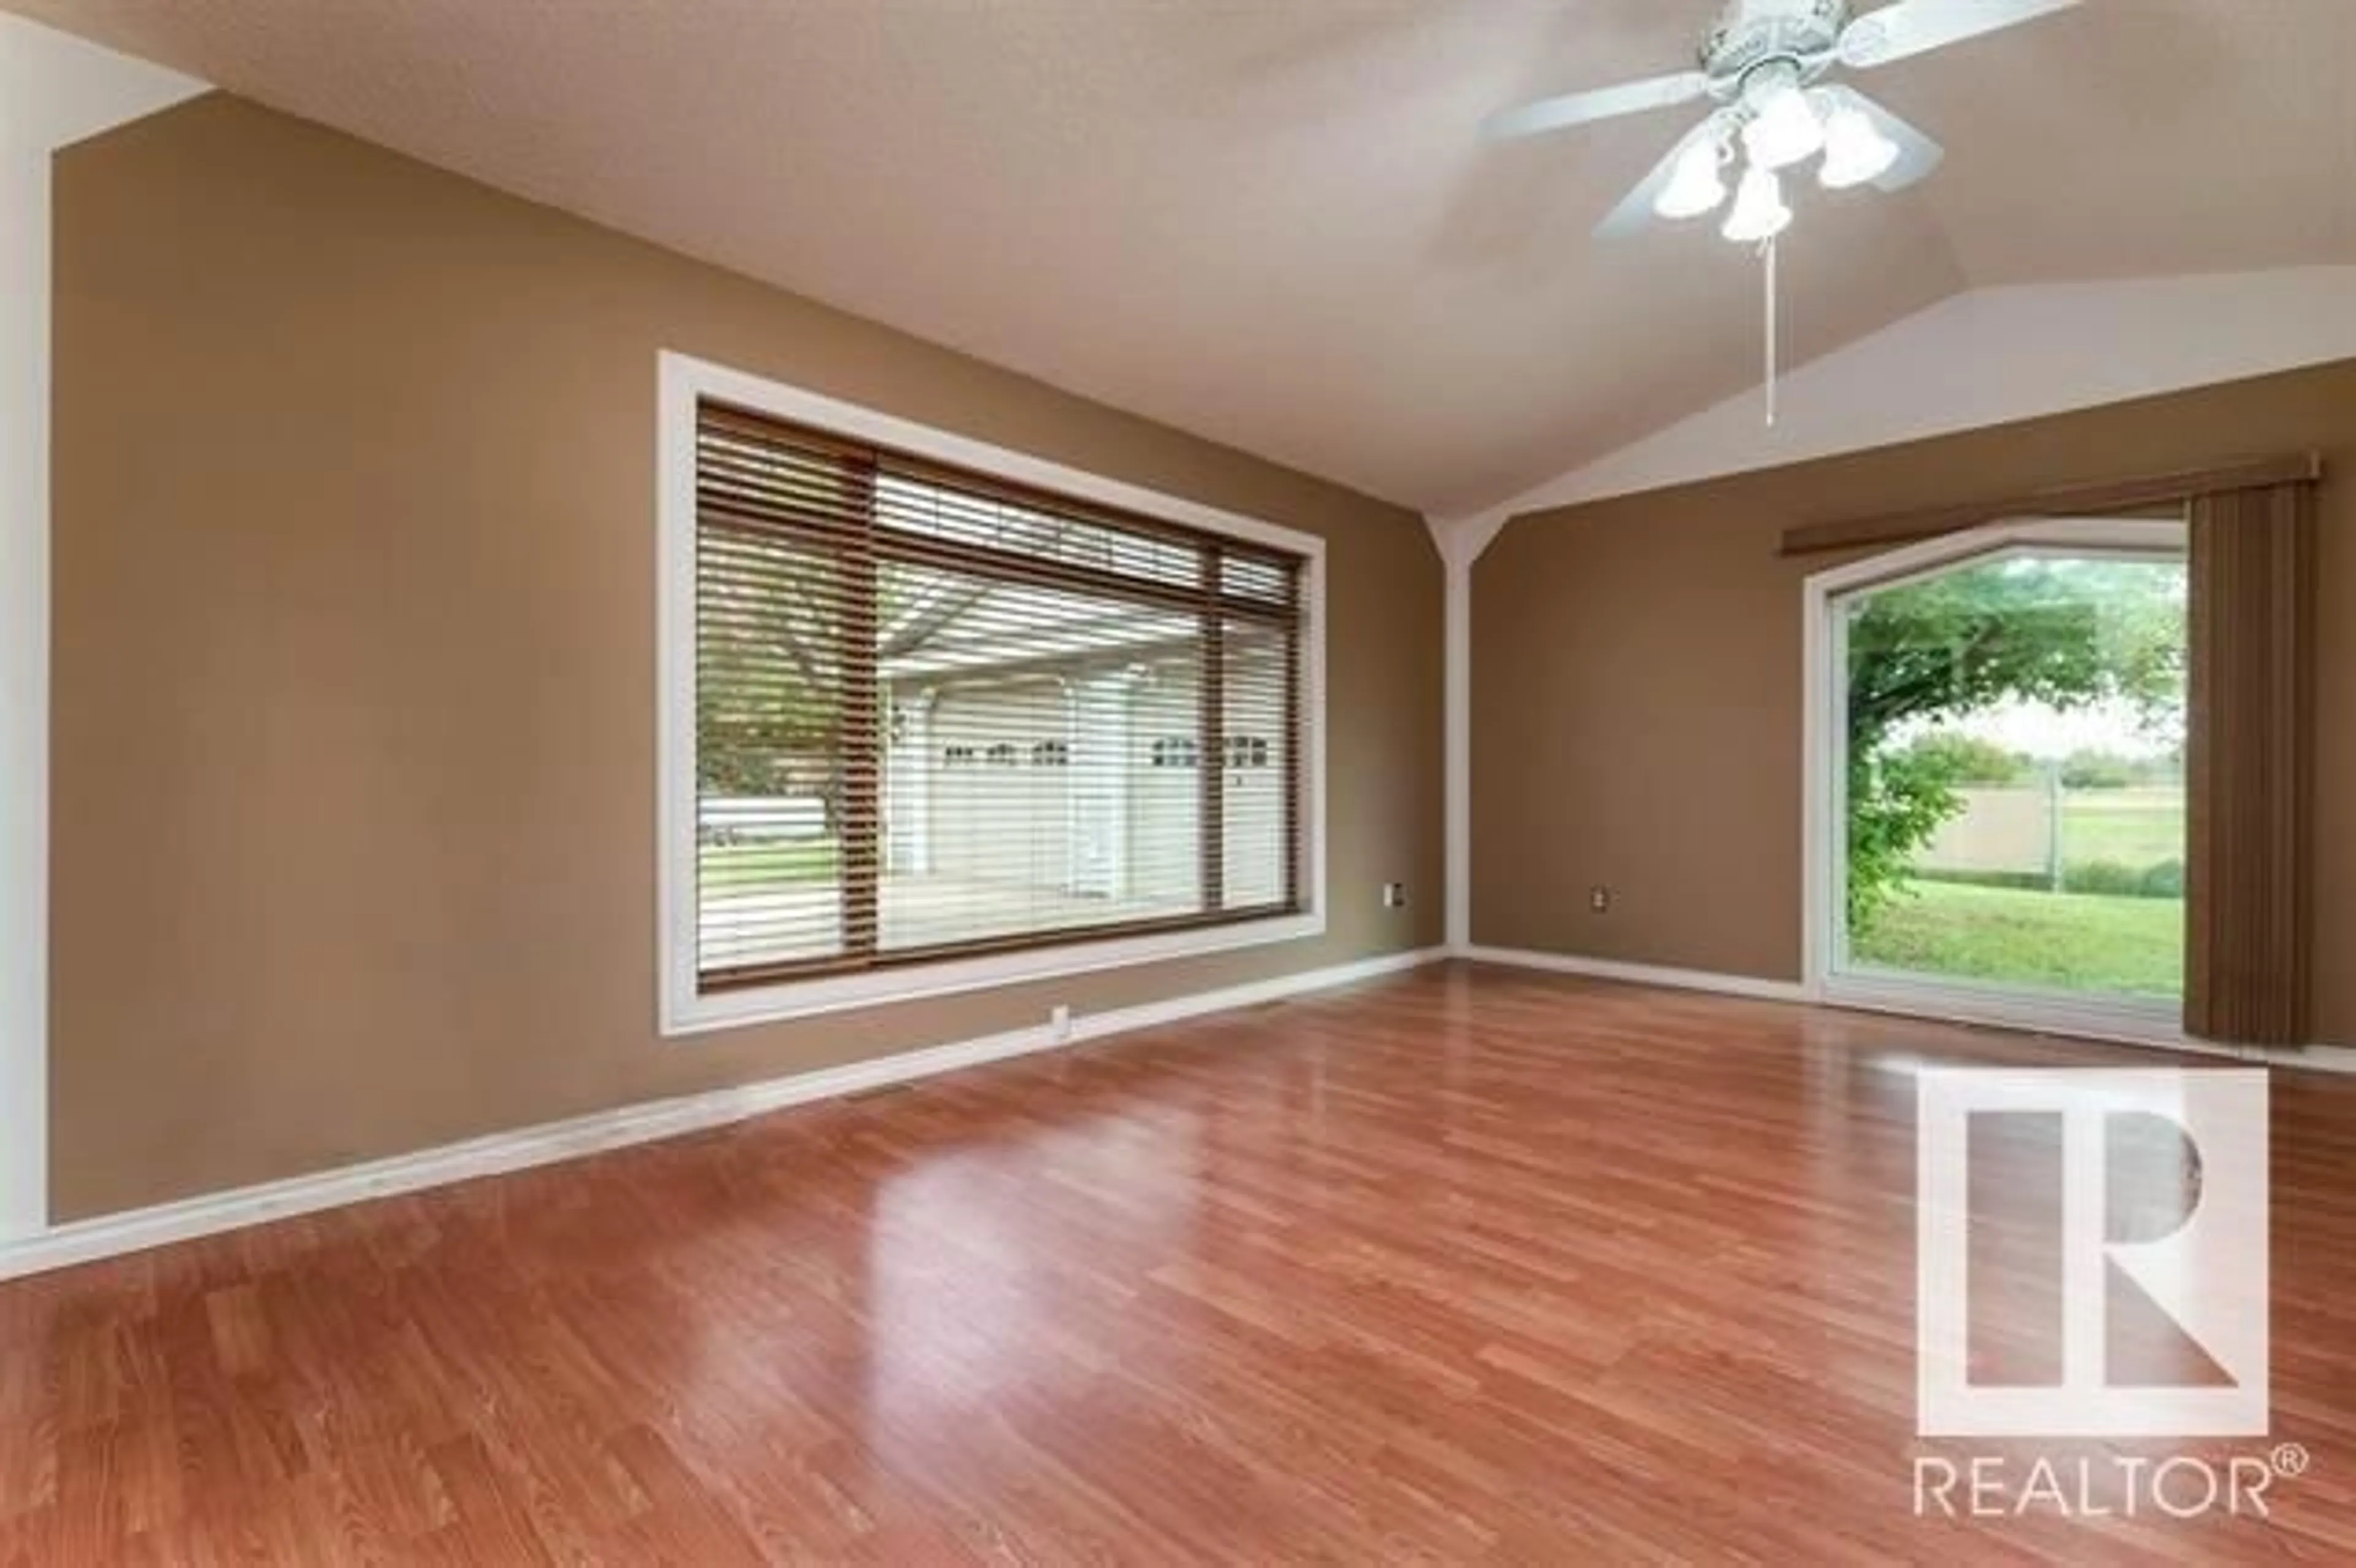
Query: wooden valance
[(2108, 497)]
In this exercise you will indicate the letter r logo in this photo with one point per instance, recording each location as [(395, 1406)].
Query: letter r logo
[(2207, 1273)]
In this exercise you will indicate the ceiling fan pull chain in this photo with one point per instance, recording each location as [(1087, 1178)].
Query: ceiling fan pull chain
[(1767, 261)]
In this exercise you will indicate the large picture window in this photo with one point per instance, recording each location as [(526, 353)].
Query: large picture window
[(943, 716), (1999, 789)]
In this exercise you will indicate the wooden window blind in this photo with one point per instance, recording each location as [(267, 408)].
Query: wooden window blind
[(942, 715)]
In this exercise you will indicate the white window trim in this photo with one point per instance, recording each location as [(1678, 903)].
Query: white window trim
[(683, 382), (1827, 698)]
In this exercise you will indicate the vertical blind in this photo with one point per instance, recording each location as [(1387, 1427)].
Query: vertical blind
[(2249, 861), (938, 714)]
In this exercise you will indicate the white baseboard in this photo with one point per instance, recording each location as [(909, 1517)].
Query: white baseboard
[(115, 1234), (2092, 1023), (1750, 986), (2121, 1022)]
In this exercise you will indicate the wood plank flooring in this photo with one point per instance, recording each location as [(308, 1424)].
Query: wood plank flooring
[(1464, 1266)]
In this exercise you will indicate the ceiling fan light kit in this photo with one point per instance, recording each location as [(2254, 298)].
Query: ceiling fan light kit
[(1768, 67), (1766, 64), (1783, 129), (1855, 152), (1697, 186), (1760, 212)]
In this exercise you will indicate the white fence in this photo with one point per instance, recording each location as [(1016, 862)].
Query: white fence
[(2000, 829), (2042, 831)]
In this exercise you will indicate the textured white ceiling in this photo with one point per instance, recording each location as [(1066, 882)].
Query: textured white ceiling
[(1270, 222)]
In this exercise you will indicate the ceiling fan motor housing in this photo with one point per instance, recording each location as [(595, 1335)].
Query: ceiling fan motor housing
[(1753, 32)]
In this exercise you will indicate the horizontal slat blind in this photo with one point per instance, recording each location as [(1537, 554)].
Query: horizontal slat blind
[(940, 715)]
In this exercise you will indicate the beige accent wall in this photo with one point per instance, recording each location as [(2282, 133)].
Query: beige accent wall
[(1637, 678), (355, 704)]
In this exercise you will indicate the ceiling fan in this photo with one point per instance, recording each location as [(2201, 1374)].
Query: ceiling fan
[(1766, 65)]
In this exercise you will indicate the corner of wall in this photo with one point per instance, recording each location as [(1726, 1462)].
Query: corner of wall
[(1461, 541), (55, 89)]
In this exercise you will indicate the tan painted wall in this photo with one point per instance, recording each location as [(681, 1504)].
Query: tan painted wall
[(355, 772), (1637, 679)]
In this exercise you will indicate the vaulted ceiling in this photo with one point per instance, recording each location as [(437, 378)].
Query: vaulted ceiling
[(1271, 222)]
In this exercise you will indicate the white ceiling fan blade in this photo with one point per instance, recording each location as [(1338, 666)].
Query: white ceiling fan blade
[(1635, 209), (1603, 103), (1917, 154), (1914, 26)]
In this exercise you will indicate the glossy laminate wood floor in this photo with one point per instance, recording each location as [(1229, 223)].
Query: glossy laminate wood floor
[(1467, 1266)]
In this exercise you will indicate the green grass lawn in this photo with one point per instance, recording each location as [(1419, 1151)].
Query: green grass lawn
[(749, 868), (2075, 941), (2128, 827)]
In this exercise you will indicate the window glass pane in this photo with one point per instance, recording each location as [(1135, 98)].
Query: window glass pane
[(769, 749), (1042, 773), (1255, 797), (1256, 579), (2014, 775), (913, 508)]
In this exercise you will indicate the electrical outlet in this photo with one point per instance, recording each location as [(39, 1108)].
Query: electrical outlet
[(1395, 895), (1059, 1023), (1599, 898)]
